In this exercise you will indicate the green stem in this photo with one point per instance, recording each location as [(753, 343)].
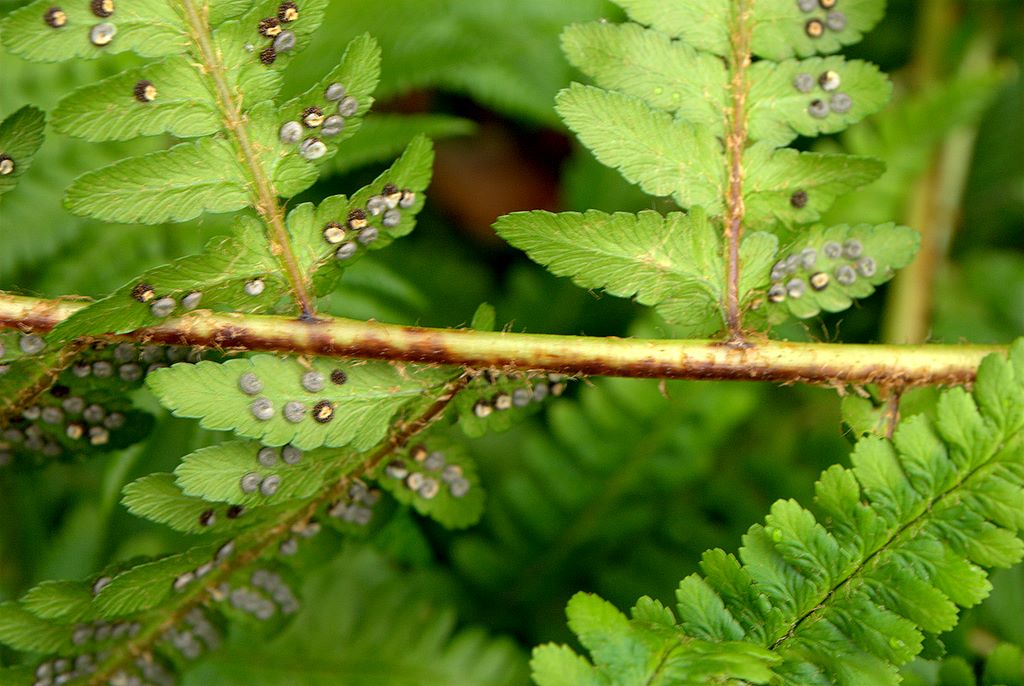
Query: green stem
[(778, 361), (263, 192)]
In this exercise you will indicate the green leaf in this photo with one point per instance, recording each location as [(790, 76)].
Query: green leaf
[(411, 172), (148, 584), (21, 135), (240, 48), (651, 149), (779, 110), (704, 25), (358, 73), (780, 27), (219, 275), (215, 473), (68, 600), (640, 651), (774, 176), (357, 412), (856, 589), (112, 110), (151, 28), (166, 186), (671, 262), (439, 480), (383, 136), (157, 497), (22, 630), (485, 318), (667, 75), (883, 249)]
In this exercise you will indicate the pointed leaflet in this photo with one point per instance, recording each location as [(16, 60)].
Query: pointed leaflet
[(409, 174), (780, 110), (647, 649), (781, 29), (167, 186), (158, 498), (215, 473), (244, 51), (773, 176), (171, 96), (353, 406), (668, 75), (837, 264), (151, 28), (21, 135), (651, 149), (357, 74), (221, 277), (671, 262), (704, 25), (146, 585)]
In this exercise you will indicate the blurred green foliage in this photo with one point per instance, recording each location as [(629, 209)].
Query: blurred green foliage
[(616, 488)]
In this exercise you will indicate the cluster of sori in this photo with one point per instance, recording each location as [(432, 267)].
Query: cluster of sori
[(185, 579), (63, 669), (59, 422), (832, 19), (165, 305), (425, 470), (252, 482), (357, 507), (265, 595), (194, 636), (314, 120), (100, 632), (294, 411), (844, 263), (290, 545), (146, 671), (208, 517), (130, 362), (6, 164), (100, 34), (281, 39), (537, 391), (829, 82), (359, 227)]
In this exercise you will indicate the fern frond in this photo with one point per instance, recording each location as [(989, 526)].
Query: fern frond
[(675, 118), (901, 539)]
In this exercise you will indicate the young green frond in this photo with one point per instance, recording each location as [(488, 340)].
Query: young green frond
[(848, 595)]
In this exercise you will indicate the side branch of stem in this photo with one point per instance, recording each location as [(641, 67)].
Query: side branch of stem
[(736, 143), (263, 194)]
